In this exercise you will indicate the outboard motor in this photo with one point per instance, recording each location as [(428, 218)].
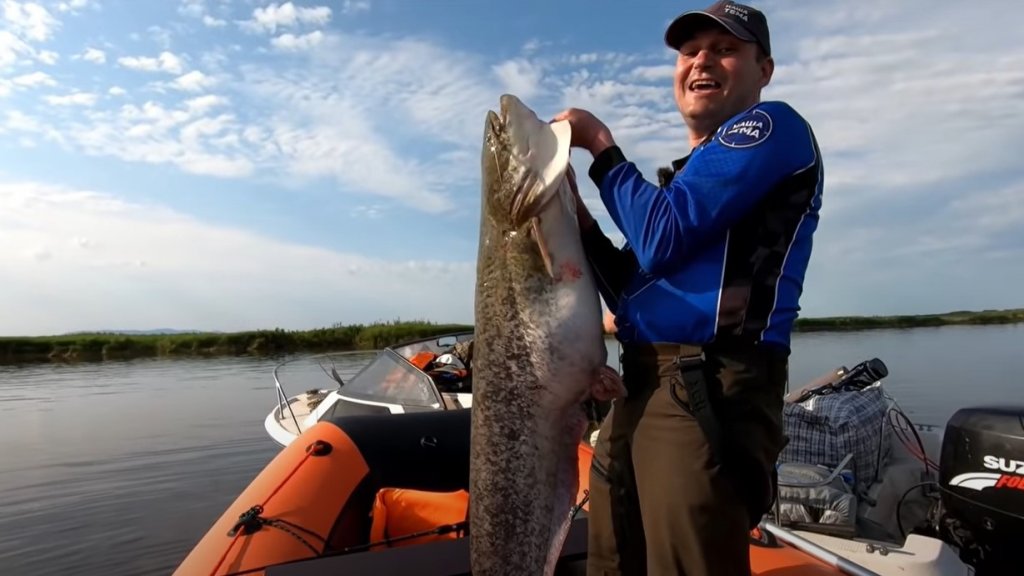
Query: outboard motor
[(981, 473)]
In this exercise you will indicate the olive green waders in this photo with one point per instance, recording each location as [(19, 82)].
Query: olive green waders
[(660, 501)]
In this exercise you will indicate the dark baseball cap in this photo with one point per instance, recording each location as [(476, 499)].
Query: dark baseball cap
[(745, 22)]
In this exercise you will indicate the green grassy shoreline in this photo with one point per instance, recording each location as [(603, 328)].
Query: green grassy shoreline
[(113, 346), (108, 346), (958, 318)]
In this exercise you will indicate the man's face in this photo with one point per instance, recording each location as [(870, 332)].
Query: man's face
[(717, 76)]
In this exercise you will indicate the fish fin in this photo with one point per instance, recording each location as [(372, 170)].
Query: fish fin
[(566, 487), (607, 385), (543, 174), (542, 246), (531, 195)]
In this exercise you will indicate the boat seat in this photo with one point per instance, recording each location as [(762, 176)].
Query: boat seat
[(451, 379), (401, 512)]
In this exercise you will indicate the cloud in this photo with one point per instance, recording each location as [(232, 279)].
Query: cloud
[(203, 104), (73, 99), (887, 111), (194, 81), (161, 36), (165, 62), (292, 43), (75, 6), (34, 79), (48, 57), (212, 22), (662, 73), (324, 117), (184, 136), (331, 134), (520, 77), (287, 15), (140, 266), (355, 6), (198, 9), (94, 55), (29, 20), (192, 8), (11, 48), (17, 121), (372, 211), (397, 118)]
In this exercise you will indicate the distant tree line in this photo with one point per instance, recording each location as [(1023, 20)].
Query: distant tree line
[(341, 337), (961, 317), (115, 346)]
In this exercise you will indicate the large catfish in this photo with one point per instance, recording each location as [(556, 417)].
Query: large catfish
[(539, 349)]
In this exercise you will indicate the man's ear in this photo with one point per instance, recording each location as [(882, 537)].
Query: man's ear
[(767, 69)]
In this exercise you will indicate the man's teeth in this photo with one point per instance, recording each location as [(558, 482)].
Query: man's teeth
[(704, 84)]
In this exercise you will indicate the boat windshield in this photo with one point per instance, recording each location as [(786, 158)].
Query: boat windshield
[(390, 379)]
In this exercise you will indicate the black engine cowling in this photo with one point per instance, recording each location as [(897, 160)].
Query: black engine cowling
[(981, 472)]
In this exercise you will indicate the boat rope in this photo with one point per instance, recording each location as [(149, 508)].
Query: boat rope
[(252, 520), (459, 528), (902, 427), (899, 504), (576, 508)]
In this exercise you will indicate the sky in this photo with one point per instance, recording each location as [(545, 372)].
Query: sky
[(244, 164)]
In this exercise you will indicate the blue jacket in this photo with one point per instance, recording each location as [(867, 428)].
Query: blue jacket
[(721, 251)]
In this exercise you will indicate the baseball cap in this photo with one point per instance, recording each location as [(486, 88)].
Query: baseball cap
[(744, 22)]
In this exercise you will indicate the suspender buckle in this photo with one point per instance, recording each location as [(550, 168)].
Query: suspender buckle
[(691, 362)]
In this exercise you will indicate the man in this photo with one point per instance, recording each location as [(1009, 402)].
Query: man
[(704, 297)]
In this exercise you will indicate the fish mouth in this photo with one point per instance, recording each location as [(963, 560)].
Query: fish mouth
[(508, 104), (516, 118), (509, 107), (495, 124)]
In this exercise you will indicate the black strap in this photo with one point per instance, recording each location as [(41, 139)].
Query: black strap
[(691, 372), (703, 406)]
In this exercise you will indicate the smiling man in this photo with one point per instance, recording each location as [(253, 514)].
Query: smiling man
[(704, 296)]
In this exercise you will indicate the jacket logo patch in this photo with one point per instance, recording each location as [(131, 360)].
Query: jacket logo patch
[(748, 130)]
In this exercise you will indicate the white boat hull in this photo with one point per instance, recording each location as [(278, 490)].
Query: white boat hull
[(918, 556)]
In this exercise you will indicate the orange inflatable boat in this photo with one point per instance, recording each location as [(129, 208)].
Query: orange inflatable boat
[(385, 495)]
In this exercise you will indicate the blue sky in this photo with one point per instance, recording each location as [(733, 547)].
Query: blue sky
[(238, 164)]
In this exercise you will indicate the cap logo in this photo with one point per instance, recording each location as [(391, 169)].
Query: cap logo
[(748, 130), (737, 12)]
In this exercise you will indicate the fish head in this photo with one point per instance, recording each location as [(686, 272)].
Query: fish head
[(524, 162)]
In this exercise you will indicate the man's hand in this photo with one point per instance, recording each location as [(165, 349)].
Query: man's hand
[(608, 385), (587, 131)]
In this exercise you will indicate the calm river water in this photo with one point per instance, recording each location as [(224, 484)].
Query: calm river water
[(120, 467)]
